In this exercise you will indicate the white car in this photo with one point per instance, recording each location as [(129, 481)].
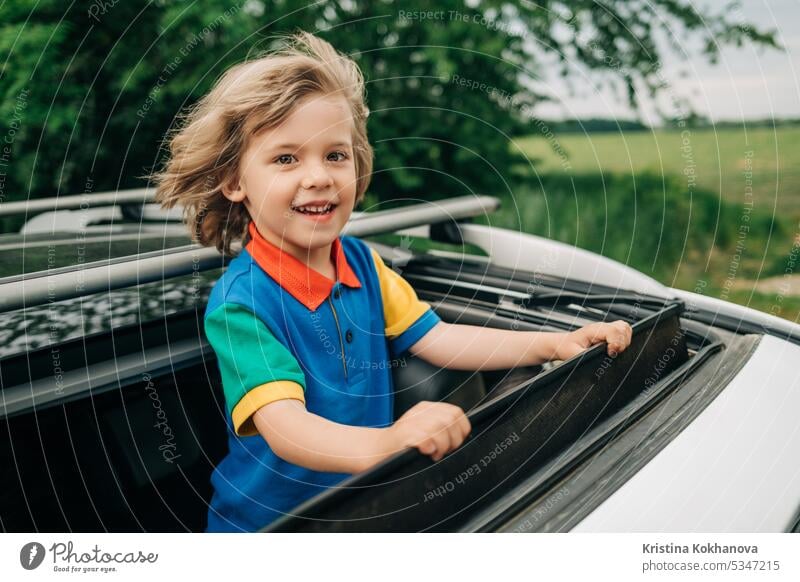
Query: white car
[(692, 428)]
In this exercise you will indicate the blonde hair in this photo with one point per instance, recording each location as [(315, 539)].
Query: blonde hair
[(206, 149)]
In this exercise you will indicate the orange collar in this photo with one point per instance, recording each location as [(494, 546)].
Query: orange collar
[(302, 282)]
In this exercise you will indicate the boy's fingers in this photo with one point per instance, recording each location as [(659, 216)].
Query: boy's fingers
[(618, 336), (442, 439), (456, 438), (597, 333), (605, 332), (460, 421), (427, 447), (445, 428), (464, 425), (459, 429), (626, 329)]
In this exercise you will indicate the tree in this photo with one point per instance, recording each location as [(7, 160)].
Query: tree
[(90, 88)]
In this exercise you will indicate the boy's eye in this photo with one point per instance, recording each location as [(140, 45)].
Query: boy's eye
[(284, 159), (337, 156)]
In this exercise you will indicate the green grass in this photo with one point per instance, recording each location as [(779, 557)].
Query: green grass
[(678, 215), (649, 223), (716, 159)]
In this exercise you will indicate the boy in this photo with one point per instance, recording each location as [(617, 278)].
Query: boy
[(278, 150)]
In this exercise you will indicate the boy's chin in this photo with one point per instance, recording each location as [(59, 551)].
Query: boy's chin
[(317, 239)]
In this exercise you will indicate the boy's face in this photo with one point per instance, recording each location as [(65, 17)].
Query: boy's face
[(305, 162)]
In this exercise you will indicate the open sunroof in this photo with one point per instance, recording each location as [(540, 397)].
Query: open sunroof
[(558, 415)]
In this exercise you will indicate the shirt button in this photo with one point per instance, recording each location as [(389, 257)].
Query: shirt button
[(348, 336), (336, 293)]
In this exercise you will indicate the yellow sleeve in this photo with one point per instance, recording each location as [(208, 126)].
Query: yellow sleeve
[(401, 307), (259, 396)]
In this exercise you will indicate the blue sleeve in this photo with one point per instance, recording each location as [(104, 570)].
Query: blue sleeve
[(400, 345)]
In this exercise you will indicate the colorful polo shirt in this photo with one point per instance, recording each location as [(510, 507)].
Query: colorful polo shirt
[(282, 330)]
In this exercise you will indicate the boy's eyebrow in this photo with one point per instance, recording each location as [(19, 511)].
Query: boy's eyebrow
[(298, 146)]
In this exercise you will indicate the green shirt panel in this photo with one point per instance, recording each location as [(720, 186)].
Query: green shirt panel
[(247, 352)]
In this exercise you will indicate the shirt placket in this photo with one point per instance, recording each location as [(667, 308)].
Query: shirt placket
[(336, 295)]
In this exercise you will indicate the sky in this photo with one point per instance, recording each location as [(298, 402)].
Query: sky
[(746, 83)]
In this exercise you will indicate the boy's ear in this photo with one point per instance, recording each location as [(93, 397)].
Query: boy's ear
[(232, 190)]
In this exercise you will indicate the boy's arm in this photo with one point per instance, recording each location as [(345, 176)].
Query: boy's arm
[(411, 326), (311, 441), (264, 393), (471, 347)]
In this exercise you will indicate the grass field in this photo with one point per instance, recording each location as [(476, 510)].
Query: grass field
[(717, 160), (718, 206)]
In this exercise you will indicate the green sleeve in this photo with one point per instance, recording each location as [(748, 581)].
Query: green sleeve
[(252, 363)]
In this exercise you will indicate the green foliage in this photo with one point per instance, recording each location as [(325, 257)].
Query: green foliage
[(93, 86)]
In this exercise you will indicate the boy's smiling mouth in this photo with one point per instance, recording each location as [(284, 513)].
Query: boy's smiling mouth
[(315, 208)]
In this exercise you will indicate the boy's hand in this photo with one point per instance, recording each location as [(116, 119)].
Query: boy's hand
[(617, 334), (434, 428)]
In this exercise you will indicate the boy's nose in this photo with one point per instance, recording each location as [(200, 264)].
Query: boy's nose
[(316, 177)]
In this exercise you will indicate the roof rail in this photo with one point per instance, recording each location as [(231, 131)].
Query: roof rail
[(44, 287), (87, 200)]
